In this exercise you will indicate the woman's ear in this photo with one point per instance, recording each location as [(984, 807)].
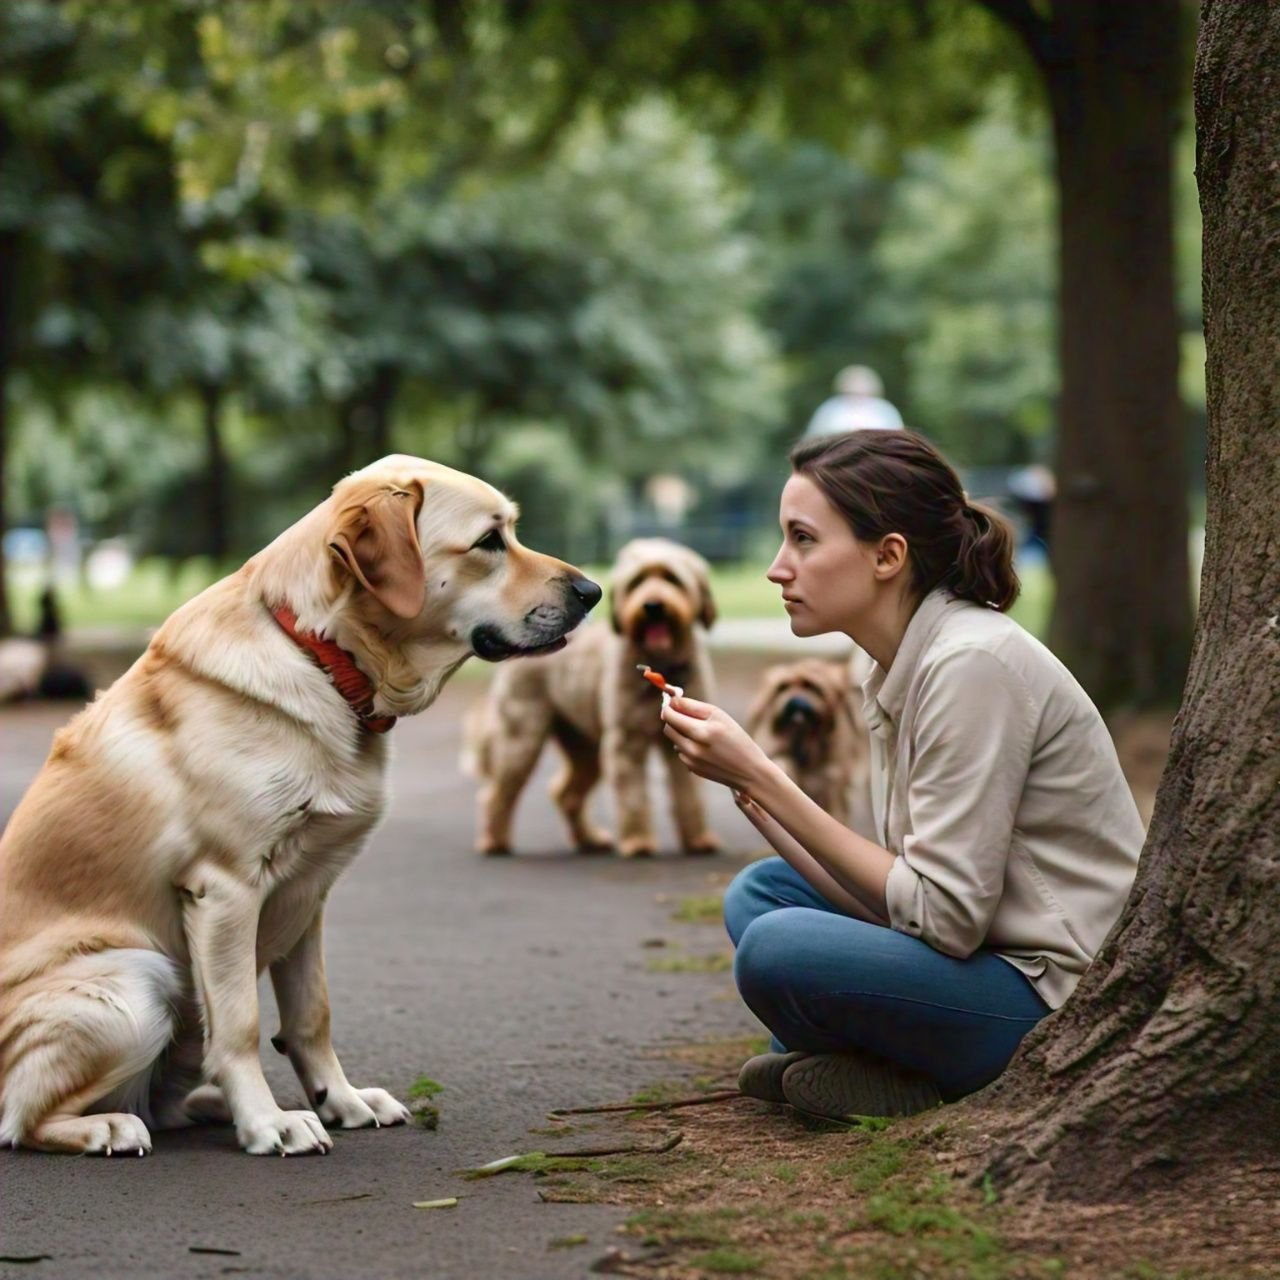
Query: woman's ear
[(891, 557)]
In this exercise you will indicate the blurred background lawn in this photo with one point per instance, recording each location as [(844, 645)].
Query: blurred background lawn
[(156, 587)]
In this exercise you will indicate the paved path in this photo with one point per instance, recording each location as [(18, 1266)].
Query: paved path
[(520, 983)]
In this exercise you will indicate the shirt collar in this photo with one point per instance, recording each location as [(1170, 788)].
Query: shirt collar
[(885, 692)]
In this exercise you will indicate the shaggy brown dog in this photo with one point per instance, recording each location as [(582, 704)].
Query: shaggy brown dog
[(187, 828), (804, 717), (593, 702)]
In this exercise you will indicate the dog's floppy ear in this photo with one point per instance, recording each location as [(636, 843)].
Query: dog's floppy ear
[(376, 539), (755, 718)]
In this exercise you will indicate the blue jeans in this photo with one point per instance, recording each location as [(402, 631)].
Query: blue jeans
[(824, 982)]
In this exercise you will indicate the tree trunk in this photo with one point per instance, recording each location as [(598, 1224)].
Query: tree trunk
[(218, 512), (365, 419), (1122, 613), (8, 271), (1168, 1054)]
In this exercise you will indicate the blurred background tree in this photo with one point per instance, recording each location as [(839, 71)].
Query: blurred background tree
[(249, 246)]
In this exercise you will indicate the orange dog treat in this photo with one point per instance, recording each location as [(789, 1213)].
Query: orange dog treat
[(659, 682)]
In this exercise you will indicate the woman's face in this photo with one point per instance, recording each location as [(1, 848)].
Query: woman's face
[(828, 578)]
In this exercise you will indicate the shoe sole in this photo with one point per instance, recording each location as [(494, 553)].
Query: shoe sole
[(837, 1085)]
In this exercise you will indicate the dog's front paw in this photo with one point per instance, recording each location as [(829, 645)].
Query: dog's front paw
[(593, 840), (707, 842), (491, 848), (285, 1133), (362, 1109), (637, 847)]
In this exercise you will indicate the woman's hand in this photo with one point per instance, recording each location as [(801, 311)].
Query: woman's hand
[(713, 744)]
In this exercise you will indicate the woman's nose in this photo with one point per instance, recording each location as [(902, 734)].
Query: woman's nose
[(779, 570)]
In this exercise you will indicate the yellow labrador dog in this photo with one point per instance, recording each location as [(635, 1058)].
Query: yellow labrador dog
[(188, 825), (593, 702)]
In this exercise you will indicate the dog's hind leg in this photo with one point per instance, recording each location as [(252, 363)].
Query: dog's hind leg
[(513, 751), (179, 1095), (572, 787), (77, 1053)]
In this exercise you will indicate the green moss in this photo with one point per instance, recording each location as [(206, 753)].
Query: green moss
[(425, 1087), (700, 909)]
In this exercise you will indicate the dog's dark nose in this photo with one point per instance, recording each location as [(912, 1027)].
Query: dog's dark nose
[(653, 609), (587, 591), (798, 708)]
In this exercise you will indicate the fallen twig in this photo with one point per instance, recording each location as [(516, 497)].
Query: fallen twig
[(627, 1149), (701, 1099)]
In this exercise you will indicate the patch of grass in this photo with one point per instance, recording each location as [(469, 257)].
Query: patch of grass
[(661, 1091), (535, 1162), (700, 909), (567, 1242), (717, 962), (425, 1087), (872, 1165), (684, 1226), (729, 1262), (426, 1115)]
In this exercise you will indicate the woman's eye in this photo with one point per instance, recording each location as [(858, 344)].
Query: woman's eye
[(492, 541)]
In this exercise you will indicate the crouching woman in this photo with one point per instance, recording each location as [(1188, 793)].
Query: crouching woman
[(904, 970)]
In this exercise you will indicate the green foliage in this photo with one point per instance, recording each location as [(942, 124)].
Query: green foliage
[(565, 246)]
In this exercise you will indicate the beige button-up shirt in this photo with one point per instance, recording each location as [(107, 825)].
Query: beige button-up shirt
[(996, 786)]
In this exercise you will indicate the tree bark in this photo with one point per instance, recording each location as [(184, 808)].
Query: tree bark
[(218, 511), (365, 419), (1122, 614), (1168, 1054)]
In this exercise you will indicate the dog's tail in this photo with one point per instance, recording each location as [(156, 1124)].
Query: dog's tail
[(474, 757)]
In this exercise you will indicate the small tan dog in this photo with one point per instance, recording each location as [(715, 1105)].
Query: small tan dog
[(188, 825), (804, 718), (601, 713)]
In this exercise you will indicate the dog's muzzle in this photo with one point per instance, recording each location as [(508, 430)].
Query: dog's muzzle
[(796, 712), (543, 629)]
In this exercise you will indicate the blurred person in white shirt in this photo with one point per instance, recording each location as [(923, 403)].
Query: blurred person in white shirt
[(858, 405)]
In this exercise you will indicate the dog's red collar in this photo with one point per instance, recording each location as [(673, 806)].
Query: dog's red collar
[(340, 667)]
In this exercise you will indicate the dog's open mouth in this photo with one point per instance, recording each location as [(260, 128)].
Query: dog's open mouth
[(490, 645), (657, 636)]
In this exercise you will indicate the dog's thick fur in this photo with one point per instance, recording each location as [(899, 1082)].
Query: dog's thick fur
[(188, 825), (804, 716), (591, 699)]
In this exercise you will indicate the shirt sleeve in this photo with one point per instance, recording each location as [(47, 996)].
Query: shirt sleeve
[(972, 739)]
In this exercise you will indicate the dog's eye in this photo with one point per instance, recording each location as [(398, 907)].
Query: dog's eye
[(492, 541)]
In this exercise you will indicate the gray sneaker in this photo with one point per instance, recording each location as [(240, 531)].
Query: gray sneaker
[(761, 1076), (835, 1085)]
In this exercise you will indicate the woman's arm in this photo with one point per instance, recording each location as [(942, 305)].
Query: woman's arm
[(713, 745), (801, 862)]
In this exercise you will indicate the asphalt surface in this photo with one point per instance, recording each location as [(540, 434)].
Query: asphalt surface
[(520, 984)]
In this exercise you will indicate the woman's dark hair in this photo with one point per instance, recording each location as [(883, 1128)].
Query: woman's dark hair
[(896, 482)]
